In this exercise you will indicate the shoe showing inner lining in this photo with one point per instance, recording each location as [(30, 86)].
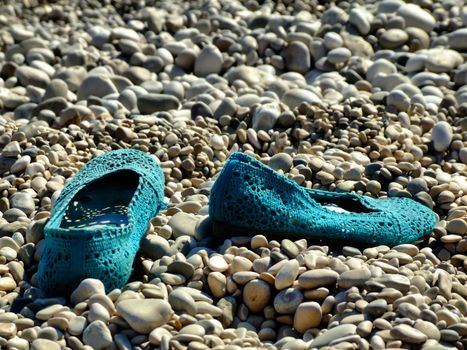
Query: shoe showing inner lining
[(103, 202), (342, 205)]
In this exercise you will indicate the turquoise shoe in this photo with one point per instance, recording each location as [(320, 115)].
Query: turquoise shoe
[(250, 198), (98, 221)]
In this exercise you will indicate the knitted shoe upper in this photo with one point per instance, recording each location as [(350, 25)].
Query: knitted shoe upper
[(107, 252), (251, 195)]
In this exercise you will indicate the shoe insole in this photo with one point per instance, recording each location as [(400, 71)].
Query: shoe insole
[(103, 202), (336, 208), (340, 204)]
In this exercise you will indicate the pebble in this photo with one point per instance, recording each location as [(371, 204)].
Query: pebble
[(295, 97), (32, 76), (217, 263), (308, 315), (286, 275), (96, 85), (339, 55), (151, 103), (351, 278), (456, 39), (287, 300), (209, 61), (442, 136), (183, 224), (297, 57), (87, 288), (281, 161), (97, 335), (256, 295), (337, 332), (317, 278), (143, 315), (408, 334), (393, 38), (44, 344), (415, 16), (266, 116)]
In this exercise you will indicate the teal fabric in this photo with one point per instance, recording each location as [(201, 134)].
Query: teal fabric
[(98, 220), (248, 194)]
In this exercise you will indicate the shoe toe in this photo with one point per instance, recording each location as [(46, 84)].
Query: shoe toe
[(414, 219)]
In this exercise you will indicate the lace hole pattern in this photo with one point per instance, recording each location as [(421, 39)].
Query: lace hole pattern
[(248, 194), (71, 255)]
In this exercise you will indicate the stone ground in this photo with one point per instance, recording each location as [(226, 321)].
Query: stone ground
[(366, 96)]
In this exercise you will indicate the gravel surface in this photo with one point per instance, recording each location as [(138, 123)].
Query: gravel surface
[(366, 96)]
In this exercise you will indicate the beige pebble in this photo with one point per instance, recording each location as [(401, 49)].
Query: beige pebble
[(256, 295), (7, 284), (308, 315), (7, 329), (317, 278), (286, 275), (217, 263), (217, 283), (258, 241), (408, 334)]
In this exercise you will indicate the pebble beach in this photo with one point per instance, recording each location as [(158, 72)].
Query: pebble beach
[(366, 96)]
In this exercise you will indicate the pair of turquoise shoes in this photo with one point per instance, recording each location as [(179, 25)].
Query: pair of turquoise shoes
[(98, 220)]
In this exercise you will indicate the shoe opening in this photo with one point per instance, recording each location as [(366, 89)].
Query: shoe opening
[(343, 205), (103, 202)]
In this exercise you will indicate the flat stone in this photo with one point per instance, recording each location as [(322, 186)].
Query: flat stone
[(308, 315), (155, 247), (208, 61), (287, 274), (143, 315), (295, 97), (442, 60), (11, 149), (317, 278), (77, 325), (457, 39), (97, 335), (441, 135), (297, 57), (360, 18), (23, 201), (86, 289), (287, 300), (352, 278), (218, 263), (217, 284), (183, 224), (151, 103), (266, 116), (415, 16), (281, 161), (44, 344), (256, 295), (7, 329), (408, 334), (457, 226), (332, 334), (339, 55), (32, 76), (98, 85), (398, 282), (393, 38), (182, 301)]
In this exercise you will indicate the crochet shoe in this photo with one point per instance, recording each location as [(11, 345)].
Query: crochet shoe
[(250, 198), (98, 221)]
